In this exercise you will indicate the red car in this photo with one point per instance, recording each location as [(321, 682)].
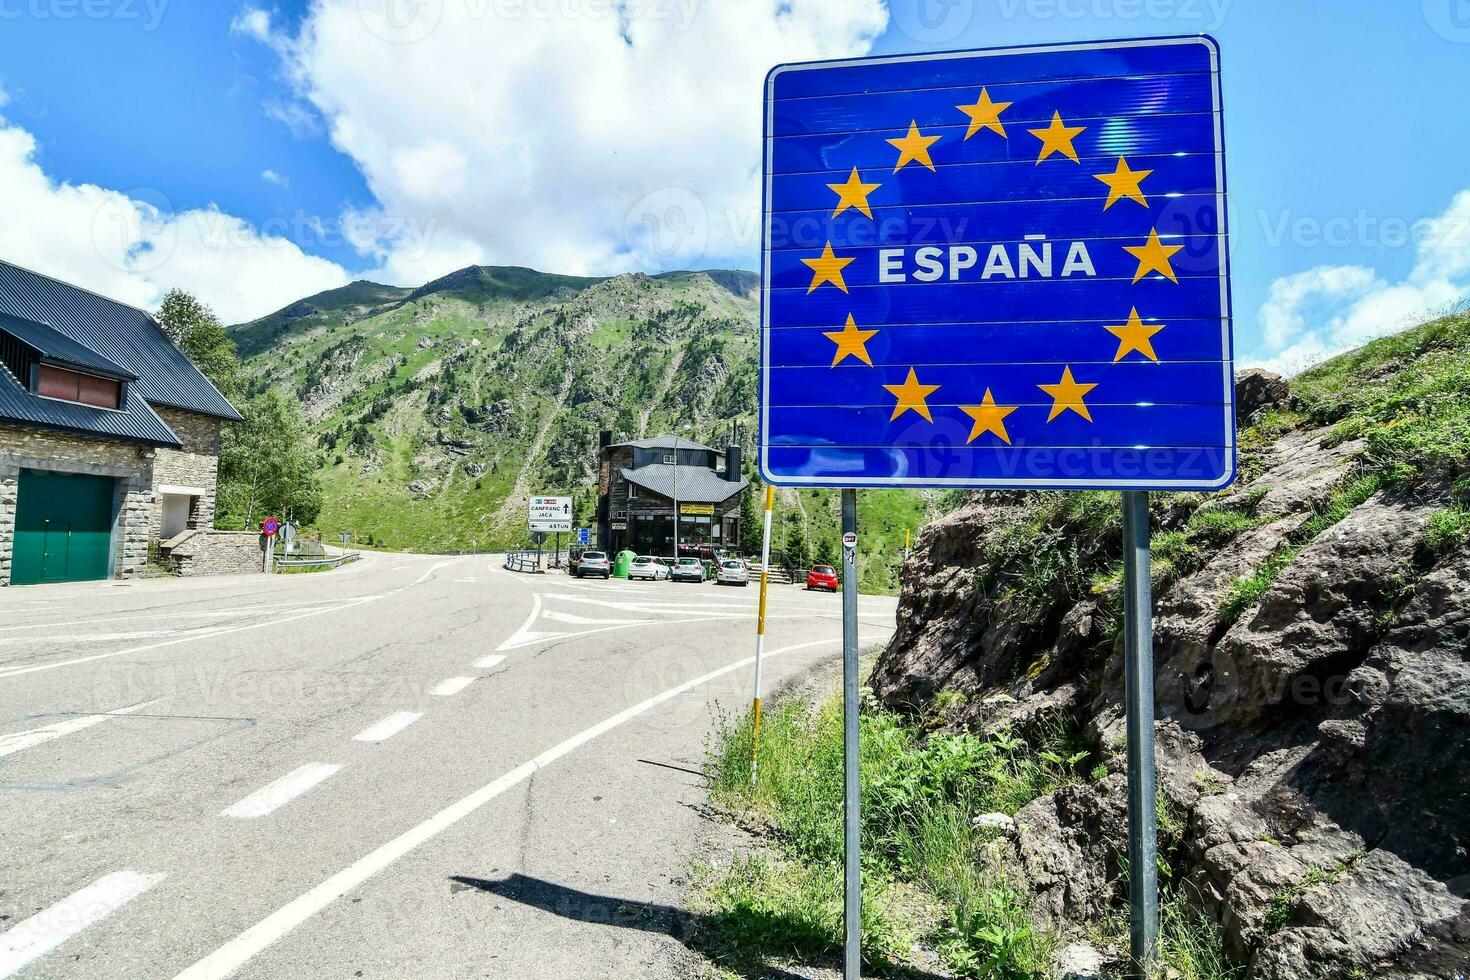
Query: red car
[(822, 577)]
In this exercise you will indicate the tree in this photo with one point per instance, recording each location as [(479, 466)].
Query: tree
[(751, 517), (826, 552), (267, 463), (194, 328), (798, 552)]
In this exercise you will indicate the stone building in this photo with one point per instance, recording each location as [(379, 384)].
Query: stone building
[(109, 441), (639, 483)]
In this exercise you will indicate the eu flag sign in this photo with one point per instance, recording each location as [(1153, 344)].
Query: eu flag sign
[(1001, 268)]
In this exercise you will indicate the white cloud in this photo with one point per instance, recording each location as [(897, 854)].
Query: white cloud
[(271, 177), (254, 23), (573, 135), (133, 246), (1311, 315)]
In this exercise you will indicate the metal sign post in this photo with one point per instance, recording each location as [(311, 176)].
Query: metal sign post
[(760, 634), (1138, 648), (852, 910)]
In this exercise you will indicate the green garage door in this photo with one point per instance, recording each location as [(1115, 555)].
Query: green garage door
[(63, 528)]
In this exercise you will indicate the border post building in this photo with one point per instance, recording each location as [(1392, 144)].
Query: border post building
[(637, 485)]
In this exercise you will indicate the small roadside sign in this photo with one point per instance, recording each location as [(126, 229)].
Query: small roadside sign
[(288, 532), (849, 540), (549, 514), (584, 535), (269, 527)]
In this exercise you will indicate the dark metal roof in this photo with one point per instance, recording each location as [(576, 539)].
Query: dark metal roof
[(122, 334), (57, 348), (663, 442), (135, 423), (697, 484)]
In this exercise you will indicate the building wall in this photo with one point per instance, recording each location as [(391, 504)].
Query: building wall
[(196, 465), (210, 552), (131, 466)]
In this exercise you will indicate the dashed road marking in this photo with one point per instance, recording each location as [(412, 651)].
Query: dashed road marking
[(16, 741), (50, 927), (388, 727), (274, 795), (259, 937), (451, 686)]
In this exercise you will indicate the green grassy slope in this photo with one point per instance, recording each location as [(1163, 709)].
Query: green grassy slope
[(436, 410)]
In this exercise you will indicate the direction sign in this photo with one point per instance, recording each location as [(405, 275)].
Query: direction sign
[(584, 535), (550, 514), (1002, 268)]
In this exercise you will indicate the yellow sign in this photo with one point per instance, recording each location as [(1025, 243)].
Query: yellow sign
[(697, 509)]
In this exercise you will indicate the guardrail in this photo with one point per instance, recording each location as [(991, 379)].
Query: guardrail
[(523, 561), (330, 561)]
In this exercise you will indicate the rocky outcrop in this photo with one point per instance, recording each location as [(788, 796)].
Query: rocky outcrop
[(1313, 688)]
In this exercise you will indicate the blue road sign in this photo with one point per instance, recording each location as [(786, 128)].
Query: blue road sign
[(584, 535), (1002, 268)]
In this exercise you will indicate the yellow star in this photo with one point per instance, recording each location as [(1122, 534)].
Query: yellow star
[(985, 114), (827, 267), (1067, 395), (989, 417), (1057, 138), (853, 194), (1153, 256), (1124, 182), (911, 396), (850, 341), (914, 146), (1135, 336)]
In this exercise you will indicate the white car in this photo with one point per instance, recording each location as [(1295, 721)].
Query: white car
[(647, 567), (732, 571)]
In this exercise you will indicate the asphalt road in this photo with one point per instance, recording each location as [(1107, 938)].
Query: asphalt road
[(410, 767)]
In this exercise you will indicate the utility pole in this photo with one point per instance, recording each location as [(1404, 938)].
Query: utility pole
[(676, 498)]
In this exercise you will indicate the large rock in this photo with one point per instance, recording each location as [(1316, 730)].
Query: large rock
[(1256, 388), (1316, 743)]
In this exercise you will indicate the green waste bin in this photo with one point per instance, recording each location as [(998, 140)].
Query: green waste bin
[(620, 566)]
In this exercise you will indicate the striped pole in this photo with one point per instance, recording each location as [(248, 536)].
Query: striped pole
[(760, 632)]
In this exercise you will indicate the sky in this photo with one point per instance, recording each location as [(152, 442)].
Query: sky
[(256, 152)]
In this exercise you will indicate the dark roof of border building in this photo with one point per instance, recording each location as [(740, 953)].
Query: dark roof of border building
[(122, 334), (663, 442), (137, 422), (697, 484), (56, 347)]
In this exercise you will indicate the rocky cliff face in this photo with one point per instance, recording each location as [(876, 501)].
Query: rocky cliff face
[(1312, 633)]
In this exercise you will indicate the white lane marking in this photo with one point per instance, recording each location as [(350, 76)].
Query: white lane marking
[(451, 686), (524, 635), (88, 637), (349, 604), (561, 617), (16, 741), (50, 927), (637, 606), (238, 951), (465, 581), (388, 727), (485, 663), (274, 795), (170, 613)]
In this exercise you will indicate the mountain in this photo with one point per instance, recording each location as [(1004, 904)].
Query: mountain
[(1312, 627), (438, 410)]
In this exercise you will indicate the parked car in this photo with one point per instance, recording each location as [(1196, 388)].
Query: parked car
[(732, 571), (648, 567), (687, 570), (822, 577), (592, 563)]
